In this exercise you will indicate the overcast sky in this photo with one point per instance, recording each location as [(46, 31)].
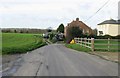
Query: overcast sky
[(51, 13)]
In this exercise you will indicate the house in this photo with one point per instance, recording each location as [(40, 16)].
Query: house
[(109, 27), (86, 29)]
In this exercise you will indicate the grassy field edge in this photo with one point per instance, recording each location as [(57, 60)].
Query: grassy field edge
[(25, 43)]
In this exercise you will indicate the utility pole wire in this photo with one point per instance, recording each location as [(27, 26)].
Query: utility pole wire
[(97, 11)]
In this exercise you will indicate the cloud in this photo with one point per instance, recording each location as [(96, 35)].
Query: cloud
[(45, 13)]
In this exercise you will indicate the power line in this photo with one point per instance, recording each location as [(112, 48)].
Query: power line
[(97, 10)]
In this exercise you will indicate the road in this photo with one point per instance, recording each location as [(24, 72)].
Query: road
[(57, 60), (0, 65)]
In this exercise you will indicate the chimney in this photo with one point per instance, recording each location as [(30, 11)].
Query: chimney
[(77, 19)]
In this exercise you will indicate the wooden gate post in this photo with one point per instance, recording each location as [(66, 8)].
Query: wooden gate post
[(78, 40), (75, 40), (108, 44), (92, 44), (81, 41), (85, 41)]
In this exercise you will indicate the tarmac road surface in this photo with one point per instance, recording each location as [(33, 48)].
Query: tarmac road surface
[(57, 60)]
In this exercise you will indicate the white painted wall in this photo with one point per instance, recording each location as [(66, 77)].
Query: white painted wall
[(109, 29)]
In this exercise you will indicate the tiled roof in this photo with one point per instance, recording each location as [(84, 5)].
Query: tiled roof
[(111, 21)]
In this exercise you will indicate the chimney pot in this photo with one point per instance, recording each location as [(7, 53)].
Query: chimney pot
[(77, 19)]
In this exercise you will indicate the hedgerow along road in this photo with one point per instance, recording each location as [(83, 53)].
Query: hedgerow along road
[(57, 60)]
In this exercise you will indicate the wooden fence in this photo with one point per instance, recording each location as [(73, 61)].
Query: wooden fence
[(98, 44)]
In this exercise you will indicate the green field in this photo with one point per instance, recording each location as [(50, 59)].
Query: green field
[(104, 45), (20, 43), (113, 48)]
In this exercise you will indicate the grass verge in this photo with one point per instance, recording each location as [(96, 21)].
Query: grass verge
[(77, 47), (110, 56)]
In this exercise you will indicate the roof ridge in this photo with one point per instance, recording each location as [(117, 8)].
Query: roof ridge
[(110, 22)]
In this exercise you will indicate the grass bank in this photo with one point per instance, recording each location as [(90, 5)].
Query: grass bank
[(13, 43), (77, 47)]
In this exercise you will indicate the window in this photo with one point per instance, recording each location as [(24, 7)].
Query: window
[(100, 32)]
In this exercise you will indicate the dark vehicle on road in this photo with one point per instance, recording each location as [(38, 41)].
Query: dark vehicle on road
[(46, 35)]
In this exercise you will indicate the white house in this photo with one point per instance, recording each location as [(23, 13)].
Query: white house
[(109, 27)]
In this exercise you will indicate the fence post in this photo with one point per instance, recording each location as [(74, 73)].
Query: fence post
[(85, 41), (108, 44), (81, 41), (92, 44), (75, 40), (88, 42), (78, 40)]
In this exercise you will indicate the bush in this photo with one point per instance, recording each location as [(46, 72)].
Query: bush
[(51, 36), (116, 37), (107, 36), (73, 32)]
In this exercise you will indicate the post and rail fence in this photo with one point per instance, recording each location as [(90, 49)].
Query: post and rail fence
[(98, 44)]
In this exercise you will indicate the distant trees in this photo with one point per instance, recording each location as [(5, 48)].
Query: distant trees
[(23, 30), (15, 31), (6, 30), (27, 31), (60, 28)]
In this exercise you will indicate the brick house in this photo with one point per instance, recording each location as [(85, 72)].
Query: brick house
[(86, 29)]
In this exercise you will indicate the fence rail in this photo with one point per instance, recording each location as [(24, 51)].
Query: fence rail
[(95, 44), (89, 43)]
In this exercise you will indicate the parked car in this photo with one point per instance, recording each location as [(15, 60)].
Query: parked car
[(46, 35), (60, 36)]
